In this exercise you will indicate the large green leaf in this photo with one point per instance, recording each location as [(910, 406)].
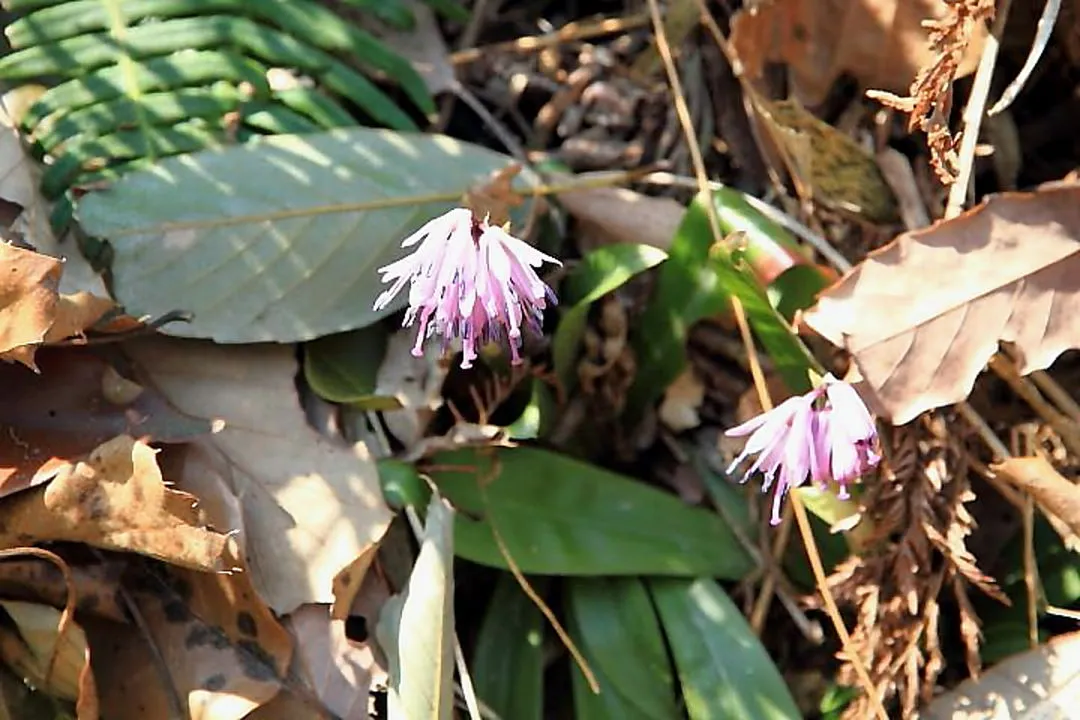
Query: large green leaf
[(724, 671), (279, 239), (620, 636), (697, 281), (508, 664), (560, 516)]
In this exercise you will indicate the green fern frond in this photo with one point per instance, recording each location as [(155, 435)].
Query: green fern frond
[(134, 80)]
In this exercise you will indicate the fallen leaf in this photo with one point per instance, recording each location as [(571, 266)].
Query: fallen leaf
[(56, 662), (1052, 491), (347, 583), (881, 43), (623, 216), (28, 299), (78, 401), (923, 315), (225, 653), (32, 311), (416, 628), (1040, 683), (339, 671), (116, 500), (40, 581), (838, 172), (416, 383), (310, 506)]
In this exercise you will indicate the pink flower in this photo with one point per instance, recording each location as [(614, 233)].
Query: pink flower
[(469, 280), (826, 433)]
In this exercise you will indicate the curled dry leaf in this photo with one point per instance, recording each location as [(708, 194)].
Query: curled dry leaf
[(50, 653), (75, 403), (882, 43), (116, 500), (42, 582), (32, 311), (310, 507), (923, 315), (1053, 492)]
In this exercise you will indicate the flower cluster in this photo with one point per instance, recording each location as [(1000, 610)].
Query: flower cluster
[(471, 280), (826, 433)]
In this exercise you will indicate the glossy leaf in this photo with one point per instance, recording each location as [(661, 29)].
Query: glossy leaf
[(560, 516), (279, 239), (618, 631), (600, 272), (696, 282), (724, 671), (342, 368), (508, 664)]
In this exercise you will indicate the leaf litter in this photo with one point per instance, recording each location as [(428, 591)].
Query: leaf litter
[(232, 459), (1008, 270)]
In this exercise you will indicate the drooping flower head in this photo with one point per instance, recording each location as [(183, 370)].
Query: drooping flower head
[(825, 434), (469, 280)]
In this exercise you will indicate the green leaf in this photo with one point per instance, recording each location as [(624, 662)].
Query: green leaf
[(280, 239), (342, 368), (560, 516), (697, 281), (536, 418), (600, 272), (724, 671), (402, 485), (619, 634), (796, 289), (416, 628), (508, 664)]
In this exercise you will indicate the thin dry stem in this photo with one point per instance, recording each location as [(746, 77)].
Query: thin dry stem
[(831, 608), (975, 111)]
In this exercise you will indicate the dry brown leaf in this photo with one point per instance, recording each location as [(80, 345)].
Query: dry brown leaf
[(618, 215), (310, 506), (31, 310), (115, 500), (923, 315), (28, 299), (225, 653), (682, 401), (1042, 683), (30, 646), (339, 671), (416, 383), (838, 172), (40, 581), (1038, 477), (77, 402), (881, 43)]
